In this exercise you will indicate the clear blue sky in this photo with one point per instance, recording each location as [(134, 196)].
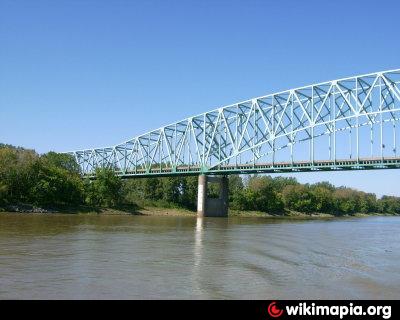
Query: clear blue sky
[(82, 74)]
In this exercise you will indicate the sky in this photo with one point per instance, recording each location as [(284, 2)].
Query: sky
[(83, 74)]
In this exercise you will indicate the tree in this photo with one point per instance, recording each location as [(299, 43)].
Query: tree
[(299, 198), (259, 195), (171, 189), (62, 160), (323, 198), (189, 192), (106, 189), (235, 184), (279, 183), (346, 201), (389, 204), (324, 184), (132, 190), (54, 186), (367, 202), (16, 174)]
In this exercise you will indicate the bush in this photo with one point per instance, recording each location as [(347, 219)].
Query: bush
[(299, 198), (105, 190)]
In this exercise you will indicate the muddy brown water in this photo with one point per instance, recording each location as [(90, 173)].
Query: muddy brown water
[(138, 257)]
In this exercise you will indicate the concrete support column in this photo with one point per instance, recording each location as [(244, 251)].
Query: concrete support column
[(212, 207), (202, 195)]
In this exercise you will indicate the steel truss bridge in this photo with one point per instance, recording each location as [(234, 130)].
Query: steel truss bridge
[(344, 124)]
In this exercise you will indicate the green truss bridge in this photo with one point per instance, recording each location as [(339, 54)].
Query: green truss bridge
[(344, 124)]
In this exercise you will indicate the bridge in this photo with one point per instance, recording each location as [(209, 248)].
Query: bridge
[(343, 124)]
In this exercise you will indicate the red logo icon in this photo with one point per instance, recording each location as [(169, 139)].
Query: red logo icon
[(274, 311)]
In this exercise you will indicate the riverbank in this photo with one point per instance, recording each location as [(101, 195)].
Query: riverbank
[(173, 212), (91, 210)]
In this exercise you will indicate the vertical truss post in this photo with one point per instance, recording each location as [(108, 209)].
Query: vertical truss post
[(394, 140), (312, 125), (334, 124), (381, 117)]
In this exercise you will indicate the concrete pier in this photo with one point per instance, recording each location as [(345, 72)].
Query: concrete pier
[(212, 207)]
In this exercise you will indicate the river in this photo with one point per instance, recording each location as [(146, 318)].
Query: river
[(147, 257)]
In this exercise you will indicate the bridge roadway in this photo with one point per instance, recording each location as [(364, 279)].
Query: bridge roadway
[(277, 167)]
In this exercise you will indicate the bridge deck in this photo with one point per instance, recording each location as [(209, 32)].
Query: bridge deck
[(295, 166)]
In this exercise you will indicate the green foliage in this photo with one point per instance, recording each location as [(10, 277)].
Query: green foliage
[(53, 179), (345, 201), (54, 185), (235, 184), (389, 204), (105, 190), (26, 177), (259, 195), (323, 201), (63, 161), (299, 198), (169, 191), (16, 174), (279, 183), (189, 192)]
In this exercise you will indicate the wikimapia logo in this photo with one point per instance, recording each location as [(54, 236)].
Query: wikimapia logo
[(302, 309), (274, 311)]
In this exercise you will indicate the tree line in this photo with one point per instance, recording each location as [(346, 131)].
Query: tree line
[(53, 180)]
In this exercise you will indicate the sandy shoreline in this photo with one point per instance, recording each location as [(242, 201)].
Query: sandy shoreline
[(179, 212)]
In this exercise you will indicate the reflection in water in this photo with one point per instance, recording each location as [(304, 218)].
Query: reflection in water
[(198, 243), (72, 257), (197, 253)]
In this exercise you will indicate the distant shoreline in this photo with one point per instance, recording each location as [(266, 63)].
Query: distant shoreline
[(172, 212)]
